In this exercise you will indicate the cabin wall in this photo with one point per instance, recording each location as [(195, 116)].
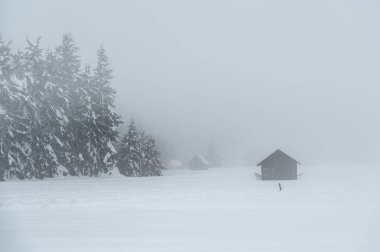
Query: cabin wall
[(279, 168), (196, 164)]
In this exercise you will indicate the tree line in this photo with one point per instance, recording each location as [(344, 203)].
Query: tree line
[(57, 117)]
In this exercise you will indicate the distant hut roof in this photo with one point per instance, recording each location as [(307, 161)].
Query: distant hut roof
[(199, 163), (275, 153), (203, 159)]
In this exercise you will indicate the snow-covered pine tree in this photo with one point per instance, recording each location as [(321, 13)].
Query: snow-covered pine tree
[(107, 120), (128, 156), (88, 134), (143, 153), (14, 148), (45, 117), (66, 77), (151, 165)]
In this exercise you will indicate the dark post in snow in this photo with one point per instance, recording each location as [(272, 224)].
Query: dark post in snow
[(279, 185)]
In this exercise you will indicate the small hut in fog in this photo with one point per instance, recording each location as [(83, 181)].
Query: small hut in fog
[(199, 163), (278, 166)]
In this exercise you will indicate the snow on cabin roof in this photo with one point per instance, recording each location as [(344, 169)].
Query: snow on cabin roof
[(278, 152), (202, 159)]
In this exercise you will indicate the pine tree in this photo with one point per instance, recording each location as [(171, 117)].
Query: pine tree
[(138, 154), (45, 117), (14, 148), (66, 76), (87, 132), (129, 156), (151, 158), (144, 167), (56, 119), (79, 109), (107, 120)]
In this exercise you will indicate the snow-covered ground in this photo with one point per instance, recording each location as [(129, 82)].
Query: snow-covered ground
[(330, 208)]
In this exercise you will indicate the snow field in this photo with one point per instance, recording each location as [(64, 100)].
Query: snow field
[(330, 208)]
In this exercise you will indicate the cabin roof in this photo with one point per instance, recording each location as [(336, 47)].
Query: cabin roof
[(277, 152), (201, 158)]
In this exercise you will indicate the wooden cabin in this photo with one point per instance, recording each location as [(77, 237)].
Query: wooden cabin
[(279, 166), (199, 163)]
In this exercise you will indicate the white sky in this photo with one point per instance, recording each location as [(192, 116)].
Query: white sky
[(253, 75)]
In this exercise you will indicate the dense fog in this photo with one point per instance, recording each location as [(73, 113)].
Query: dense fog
[(248, 76)]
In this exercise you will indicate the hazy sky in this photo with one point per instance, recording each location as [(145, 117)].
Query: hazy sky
[(254, 76)]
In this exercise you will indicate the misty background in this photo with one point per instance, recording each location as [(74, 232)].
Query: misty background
[(251, 76)]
